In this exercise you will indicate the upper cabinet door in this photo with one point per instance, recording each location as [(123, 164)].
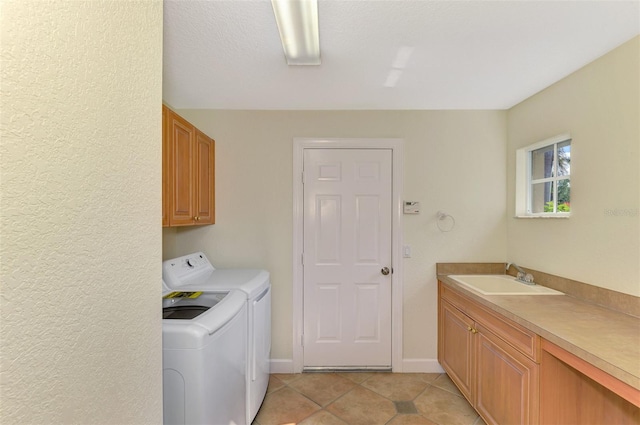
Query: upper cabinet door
[(181, 156), (205, 179)]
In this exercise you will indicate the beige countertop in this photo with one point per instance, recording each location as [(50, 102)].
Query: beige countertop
[(605, 338)]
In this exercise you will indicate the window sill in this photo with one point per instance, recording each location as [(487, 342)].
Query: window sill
[(543, 216)]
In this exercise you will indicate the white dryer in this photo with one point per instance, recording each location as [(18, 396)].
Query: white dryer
[(194, 272), (203, 352)]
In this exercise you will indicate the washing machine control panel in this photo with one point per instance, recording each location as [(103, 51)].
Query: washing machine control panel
[(182, 270)]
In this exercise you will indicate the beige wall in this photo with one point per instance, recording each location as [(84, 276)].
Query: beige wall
[(80, 188), (454, 161), (599, 106)]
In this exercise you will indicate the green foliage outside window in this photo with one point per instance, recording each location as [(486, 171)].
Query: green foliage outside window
[(563, 198), (564, 207)]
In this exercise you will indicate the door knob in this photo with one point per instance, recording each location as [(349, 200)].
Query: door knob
[(385, 271)]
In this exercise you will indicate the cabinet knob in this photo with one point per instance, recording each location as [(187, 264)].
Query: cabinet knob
[(196, 218), (474, 331)]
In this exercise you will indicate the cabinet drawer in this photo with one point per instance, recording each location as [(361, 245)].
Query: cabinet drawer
[(517, 336)]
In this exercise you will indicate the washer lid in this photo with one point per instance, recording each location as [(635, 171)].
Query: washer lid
[(250, 281), (181, 305), (183, 312), (223, 307)]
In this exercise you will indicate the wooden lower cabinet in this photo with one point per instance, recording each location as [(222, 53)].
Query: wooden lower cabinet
[(570, 395), (512, 376), (500, 381)]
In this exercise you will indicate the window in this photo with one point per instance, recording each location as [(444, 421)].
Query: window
[(543, 178)]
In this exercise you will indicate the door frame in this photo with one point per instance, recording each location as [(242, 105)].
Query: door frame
[(397, 148)]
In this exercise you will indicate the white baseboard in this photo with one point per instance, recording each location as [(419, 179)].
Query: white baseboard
[(408, 366), (281, 365), (421, 366)]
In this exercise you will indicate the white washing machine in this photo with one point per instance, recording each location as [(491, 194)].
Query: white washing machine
[(203, 352), (194, 272)]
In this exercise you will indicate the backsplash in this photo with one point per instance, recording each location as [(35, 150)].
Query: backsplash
[(470, 268)]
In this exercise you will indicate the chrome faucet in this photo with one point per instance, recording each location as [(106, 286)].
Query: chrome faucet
[(522, 276)]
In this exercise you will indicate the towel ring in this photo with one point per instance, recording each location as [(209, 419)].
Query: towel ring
[(445, 222)]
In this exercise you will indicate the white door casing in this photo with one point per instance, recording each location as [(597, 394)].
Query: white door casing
[(347, 258), (338, 311)]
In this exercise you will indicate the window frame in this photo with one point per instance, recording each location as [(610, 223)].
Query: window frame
[(525, 180)]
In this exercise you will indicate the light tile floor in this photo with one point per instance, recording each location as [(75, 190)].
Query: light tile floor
[(363, 398)]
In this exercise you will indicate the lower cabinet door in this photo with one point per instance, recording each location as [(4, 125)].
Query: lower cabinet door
[(456, 347), (507, 382)]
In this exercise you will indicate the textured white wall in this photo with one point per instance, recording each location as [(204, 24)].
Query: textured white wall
[(454, 161), (80, 188), (600, 106)]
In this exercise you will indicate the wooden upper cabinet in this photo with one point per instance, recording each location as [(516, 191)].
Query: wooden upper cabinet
[(189, 173)]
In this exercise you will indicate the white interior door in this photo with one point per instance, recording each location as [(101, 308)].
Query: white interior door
[(347, 251)]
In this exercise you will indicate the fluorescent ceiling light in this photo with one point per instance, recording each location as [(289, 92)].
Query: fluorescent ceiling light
[(298, 26)]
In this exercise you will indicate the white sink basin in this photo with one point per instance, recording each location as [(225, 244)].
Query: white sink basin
[(501, 285)]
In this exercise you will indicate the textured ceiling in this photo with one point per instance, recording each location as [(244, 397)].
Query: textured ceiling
[(462, 54)]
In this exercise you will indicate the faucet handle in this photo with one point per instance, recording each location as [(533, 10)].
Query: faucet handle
[(528, 278)]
